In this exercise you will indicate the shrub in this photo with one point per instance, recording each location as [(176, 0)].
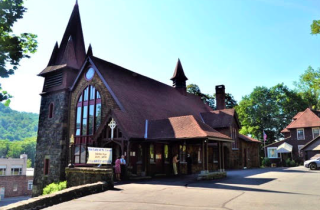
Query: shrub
[(292, 163), (54, 187), (288, 162), (266, 162)]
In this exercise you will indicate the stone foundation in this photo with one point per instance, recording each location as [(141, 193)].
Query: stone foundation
[(86, 175)]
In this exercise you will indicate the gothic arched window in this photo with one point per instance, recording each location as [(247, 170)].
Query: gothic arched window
[(88, 112), (88, 120)]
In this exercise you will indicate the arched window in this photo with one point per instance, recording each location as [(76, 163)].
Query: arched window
[(88, 112), (50, 110), (88, 120)]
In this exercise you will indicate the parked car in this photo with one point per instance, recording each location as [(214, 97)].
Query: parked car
[(313, 164)]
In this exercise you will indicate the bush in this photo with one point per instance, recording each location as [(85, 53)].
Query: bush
[(54, 187), (266, 162), (292, 163), (288, 162)]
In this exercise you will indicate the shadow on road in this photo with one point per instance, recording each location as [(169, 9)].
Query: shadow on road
[(234, 177)]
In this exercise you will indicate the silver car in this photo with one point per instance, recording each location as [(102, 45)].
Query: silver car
[(313, 164)]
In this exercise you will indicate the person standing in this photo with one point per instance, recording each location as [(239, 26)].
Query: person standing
[(118, 168), (123, 164), (174, 163)]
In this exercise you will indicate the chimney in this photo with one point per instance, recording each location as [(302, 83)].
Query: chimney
[(220, 97)]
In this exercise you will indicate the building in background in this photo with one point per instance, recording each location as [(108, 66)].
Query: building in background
[(299, 134), (15, 178)]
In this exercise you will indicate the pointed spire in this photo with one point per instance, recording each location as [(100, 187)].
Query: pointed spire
[(89, 52), (179, 78), (69, 56), (73, 30), (178, 72), (54, 55)]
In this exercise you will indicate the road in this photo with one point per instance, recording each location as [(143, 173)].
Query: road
[(271, 188)]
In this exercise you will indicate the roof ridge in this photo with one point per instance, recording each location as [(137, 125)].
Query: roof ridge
[(125, 69)]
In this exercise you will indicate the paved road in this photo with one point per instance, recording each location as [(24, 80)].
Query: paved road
[(7, 201), (276, 188)]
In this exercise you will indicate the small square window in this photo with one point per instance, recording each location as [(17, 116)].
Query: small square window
[(15, 187), (16, 171), (299, 150), (3, 170), (272, 152), (30, 184), (315, 132), (300, 134)]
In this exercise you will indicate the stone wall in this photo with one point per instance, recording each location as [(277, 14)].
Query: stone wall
[(59, 197), (52, 141), (21, 181), (86, 175)]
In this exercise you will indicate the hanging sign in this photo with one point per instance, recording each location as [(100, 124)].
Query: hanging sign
[(99, 155)]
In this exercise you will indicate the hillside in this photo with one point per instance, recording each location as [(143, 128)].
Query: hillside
[(16, 125)]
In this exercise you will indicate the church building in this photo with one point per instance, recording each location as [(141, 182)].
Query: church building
[(89, 102)]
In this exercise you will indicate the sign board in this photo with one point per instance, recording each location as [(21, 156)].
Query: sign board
[(99, 155)]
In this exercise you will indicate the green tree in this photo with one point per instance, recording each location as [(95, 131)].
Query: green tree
[(12, 47), (268, 110), (29, 163), (308, 87), (315, 27)]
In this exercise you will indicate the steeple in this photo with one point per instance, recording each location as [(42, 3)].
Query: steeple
[(54, 55), (179, 78), (89, 52), (72, 35)]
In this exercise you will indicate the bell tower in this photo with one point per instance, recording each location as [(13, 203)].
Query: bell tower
[(52, 142)]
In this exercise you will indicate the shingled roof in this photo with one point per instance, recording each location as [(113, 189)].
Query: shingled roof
[(182, 127), (220, 118), (141, 98), (306, 119)]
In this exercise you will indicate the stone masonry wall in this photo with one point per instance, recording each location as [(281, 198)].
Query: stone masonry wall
[(87, 175), (52, 140)]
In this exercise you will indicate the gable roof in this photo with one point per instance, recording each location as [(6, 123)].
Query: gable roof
[(310, 143), (141, 98), (182, 127), (306, 119), (220, 118), (249, 139)]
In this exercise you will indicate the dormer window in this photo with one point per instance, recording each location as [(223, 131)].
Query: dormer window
[(315, 132), (300, 134)]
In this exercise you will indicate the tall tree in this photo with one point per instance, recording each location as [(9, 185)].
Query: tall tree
[(210, 99), (308, 87), (12, 47), (268, 110)]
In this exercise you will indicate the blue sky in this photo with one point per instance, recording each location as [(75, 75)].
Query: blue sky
[(241, 44)]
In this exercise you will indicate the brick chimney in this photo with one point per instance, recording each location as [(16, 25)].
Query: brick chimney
[(220, 97)]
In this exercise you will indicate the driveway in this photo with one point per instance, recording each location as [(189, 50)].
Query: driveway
[(272, 188)]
